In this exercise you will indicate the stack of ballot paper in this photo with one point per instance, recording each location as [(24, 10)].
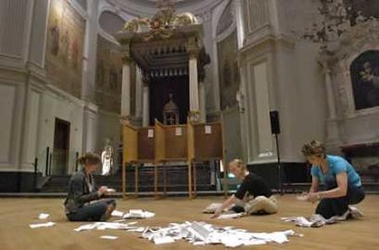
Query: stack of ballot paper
[(138, 214), (200, 233), (315, 220)]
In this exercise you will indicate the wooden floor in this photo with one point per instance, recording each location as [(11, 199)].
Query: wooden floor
[(17, 213)]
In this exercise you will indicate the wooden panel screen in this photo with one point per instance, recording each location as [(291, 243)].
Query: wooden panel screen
[(208, 141), (176, 142), (146, 139), (129, 139)]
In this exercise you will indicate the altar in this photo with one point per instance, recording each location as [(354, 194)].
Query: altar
[(168, 49)]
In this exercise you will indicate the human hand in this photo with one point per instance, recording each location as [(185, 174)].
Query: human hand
[(216, 214), (312, 197), (102, 190)]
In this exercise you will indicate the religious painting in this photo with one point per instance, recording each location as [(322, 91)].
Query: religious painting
[(364, 73), (109, 77), (228, 70), (64, 47)]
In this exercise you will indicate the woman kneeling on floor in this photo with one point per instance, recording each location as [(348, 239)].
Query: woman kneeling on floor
[(342, 184), (83, 202), (262, 202)]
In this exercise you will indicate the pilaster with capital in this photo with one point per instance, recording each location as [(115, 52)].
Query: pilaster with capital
[(145, 102), (126, 83), (193, 54)]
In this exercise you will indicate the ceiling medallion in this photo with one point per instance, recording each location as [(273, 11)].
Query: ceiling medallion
[(162, 25)]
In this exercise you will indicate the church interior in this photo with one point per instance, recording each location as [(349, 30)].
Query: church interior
[(167, 93)]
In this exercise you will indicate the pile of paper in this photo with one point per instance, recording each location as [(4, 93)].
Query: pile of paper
[(134, 214), (138, 214), (200, 233), (315, 220)]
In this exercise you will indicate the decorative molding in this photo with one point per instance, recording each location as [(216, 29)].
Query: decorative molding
[(83, 13), (255, 15)]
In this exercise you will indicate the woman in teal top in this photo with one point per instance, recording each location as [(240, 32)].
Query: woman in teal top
[(342, 183)]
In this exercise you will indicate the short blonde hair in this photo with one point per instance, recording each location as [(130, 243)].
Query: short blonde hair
[(313, 148), (239, 163)]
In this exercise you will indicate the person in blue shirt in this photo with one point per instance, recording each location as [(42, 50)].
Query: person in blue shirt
[(342, 183)]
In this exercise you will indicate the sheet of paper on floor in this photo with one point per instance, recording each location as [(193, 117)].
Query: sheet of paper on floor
[(38, 225), (231, 215), (117, 213), (106, 225), (200, 233), (138, 214), (43, 216), (108, 237)]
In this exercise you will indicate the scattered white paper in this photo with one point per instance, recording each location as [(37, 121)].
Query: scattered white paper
[(108, 237), (178, 131), (200, 233), (116, 213), (150, 133), (106, 225), (38, 225), (138, 214), (43, 216), (163, 240), (315, 220), (208, 129)]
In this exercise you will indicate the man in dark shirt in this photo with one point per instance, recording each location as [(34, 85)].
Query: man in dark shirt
[(252, 185)]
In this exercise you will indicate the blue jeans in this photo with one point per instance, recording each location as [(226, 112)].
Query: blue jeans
[(329, 207), (92, 212)]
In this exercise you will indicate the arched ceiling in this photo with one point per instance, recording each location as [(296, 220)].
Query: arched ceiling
[(149, 7)]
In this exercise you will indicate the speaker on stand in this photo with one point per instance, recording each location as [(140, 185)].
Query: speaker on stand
[(275, 130)]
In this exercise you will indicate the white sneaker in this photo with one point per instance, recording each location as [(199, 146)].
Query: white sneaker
[(355, 212)]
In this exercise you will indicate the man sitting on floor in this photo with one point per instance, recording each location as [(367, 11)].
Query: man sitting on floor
[(263, 201)]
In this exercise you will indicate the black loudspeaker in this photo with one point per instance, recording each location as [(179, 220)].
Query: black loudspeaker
[(274, 119)]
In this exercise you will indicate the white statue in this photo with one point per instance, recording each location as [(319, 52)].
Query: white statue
[(107, 158)]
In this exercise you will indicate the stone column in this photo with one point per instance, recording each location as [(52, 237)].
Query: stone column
[(139, 91), (89, 55), (329, 91), (239, 21), (125, 90), (193, 52), (332, 126), (203, 115), (145, 105)]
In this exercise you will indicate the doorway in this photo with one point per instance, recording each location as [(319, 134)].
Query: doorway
[(61, 147)]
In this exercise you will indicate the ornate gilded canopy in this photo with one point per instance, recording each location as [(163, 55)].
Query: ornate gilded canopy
[(161, 45)]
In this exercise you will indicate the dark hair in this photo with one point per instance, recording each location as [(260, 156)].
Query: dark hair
[(89, 159), (313, 148)]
